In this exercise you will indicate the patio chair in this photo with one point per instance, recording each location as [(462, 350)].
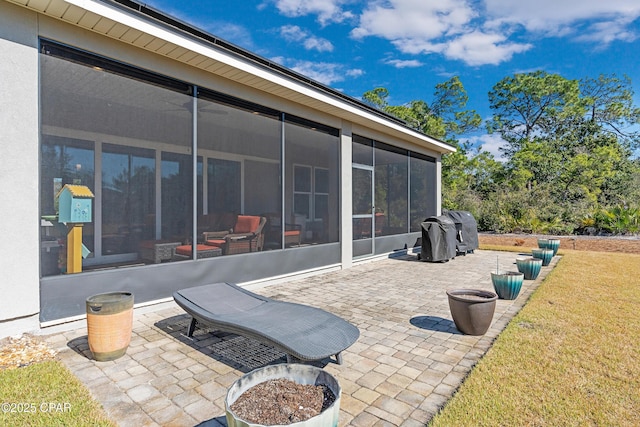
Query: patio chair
[(273, 232), (302, 332), (246, 236), (216, 225)]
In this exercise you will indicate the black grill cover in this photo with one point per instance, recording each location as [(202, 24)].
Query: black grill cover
[(467, 228), (438, 239)]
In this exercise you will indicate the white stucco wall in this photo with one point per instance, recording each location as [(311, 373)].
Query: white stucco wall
[(19, 247)]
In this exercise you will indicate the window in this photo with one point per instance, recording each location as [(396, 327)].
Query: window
[(223, 185), (312, 162), (302, 191), (423, 189), (128, 198), (176, 198), (362, 150), (391, 190), (105, 128), (241, 144), (64, 161), (320, 193), (128, 134), (404, 188)]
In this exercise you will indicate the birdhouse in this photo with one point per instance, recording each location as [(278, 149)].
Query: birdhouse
[(74, 204)]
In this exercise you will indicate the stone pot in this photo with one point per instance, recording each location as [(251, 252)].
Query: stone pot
[(530, 267), (472, 309), (544, 254), (507, 285), (299, 373)]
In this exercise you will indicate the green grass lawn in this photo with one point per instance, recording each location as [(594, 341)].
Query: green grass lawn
[(47, 394), (569, 358)]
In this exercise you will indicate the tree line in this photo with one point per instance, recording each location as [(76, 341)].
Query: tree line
[(569, 160)]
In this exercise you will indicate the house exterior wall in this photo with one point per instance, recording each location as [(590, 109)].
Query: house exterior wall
[(25, 295), (19, 251)]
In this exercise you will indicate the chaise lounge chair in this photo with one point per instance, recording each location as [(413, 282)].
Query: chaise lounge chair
[(302, 332)]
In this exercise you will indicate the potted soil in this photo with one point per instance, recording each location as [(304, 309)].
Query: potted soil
[(285, 394), (544, 254), (530, 267), (472, 309), (508, 284)]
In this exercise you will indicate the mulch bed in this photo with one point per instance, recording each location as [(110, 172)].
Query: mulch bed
[(23, 351), (627, 244)]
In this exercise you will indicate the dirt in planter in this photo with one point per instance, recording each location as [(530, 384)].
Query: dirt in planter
[(282, 401)]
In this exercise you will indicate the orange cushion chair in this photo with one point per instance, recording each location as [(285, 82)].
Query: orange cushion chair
[(246, 236)]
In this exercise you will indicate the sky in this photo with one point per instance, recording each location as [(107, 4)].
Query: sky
[(409, 46)]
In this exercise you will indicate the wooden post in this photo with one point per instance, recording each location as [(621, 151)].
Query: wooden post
[(74, 248)]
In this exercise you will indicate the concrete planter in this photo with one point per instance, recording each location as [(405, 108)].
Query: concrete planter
[(301, 374), (472, 309), (530, 267), (507, 285)]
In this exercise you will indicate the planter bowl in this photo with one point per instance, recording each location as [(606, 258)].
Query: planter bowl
[(553, 244), (299, 373), (507, 285), (544, 254), (530, 267), (472, 309)]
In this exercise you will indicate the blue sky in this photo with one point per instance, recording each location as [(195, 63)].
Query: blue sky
[(408, 46)]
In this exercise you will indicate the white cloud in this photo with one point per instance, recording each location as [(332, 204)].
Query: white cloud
[(404, 63), (490, 143), (446, 27), (355, 72), (319, 44), (293, 33), (327, 10), (479, 33), (608, 32), (479, 48), (414, 19), (566, 17), (324, 72), (474, 48)]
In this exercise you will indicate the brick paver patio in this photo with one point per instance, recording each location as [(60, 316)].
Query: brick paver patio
[(408, 361)]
